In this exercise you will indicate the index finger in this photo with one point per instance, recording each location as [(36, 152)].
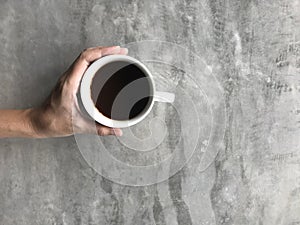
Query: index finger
[(88, 56)]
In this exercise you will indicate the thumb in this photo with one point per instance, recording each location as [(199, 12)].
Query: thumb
[(104, 131)]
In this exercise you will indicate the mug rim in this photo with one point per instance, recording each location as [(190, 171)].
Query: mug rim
[(86, 96)]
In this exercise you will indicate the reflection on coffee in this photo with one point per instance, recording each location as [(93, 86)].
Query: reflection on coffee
[(121, 90)]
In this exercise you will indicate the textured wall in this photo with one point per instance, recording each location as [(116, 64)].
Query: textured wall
[(254, 49)]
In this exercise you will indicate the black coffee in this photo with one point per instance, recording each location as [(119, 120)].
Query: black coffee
[(121, 91)]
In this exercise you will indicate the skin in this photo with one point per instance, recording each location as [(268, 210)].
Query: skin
[(59, 115)]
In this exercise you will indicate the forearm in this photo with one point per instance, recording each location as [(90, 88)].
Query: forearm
[(59, 115), (16, 123)]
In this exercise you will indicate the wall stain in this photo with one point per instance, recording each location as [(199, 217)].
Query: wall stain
[(157, 208), (182, 210), (117, 207)]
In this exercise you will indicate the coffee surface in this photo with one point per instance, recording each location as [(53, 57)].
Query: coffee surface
[(121, 90)]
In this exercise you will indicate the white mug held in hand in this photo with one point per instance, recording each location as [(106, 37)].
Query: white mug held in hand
[(119, 91)]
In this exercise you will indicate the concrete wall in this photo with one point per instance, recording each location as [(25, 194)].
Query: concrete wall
[(253, 48)]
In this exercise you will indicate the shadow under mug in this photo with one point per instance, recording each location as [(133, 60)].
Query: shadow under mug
[(134, 88)]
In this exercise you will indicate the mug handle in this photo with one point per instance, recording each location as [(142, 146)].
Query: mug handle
[(160, 96)]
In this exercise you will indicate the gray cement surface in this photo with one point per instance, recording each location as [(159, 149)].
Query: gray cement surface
[(253, 48)]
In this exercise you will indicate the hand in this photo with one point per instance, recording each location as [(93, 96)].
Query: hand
[(60, 114)]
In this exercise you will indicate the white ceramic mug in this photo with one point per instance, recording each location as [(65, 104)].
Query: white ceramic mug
[(89, 105)]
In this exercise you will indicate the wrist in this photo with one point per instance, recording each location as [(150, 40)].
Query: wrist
[(39, 122), (30, 118)]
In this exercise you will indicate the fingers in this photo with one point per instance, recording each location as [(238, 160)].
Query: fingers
[(88, 56), (91, 54), (88, 126), (104, 131), (123, 51)]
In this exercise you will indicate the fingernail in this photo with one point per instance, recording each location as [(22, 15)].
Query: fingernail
[(118, 132), (125, 51)]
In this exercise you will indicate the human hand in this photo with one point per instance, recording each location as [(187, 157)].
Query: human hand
[(60, 114)]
